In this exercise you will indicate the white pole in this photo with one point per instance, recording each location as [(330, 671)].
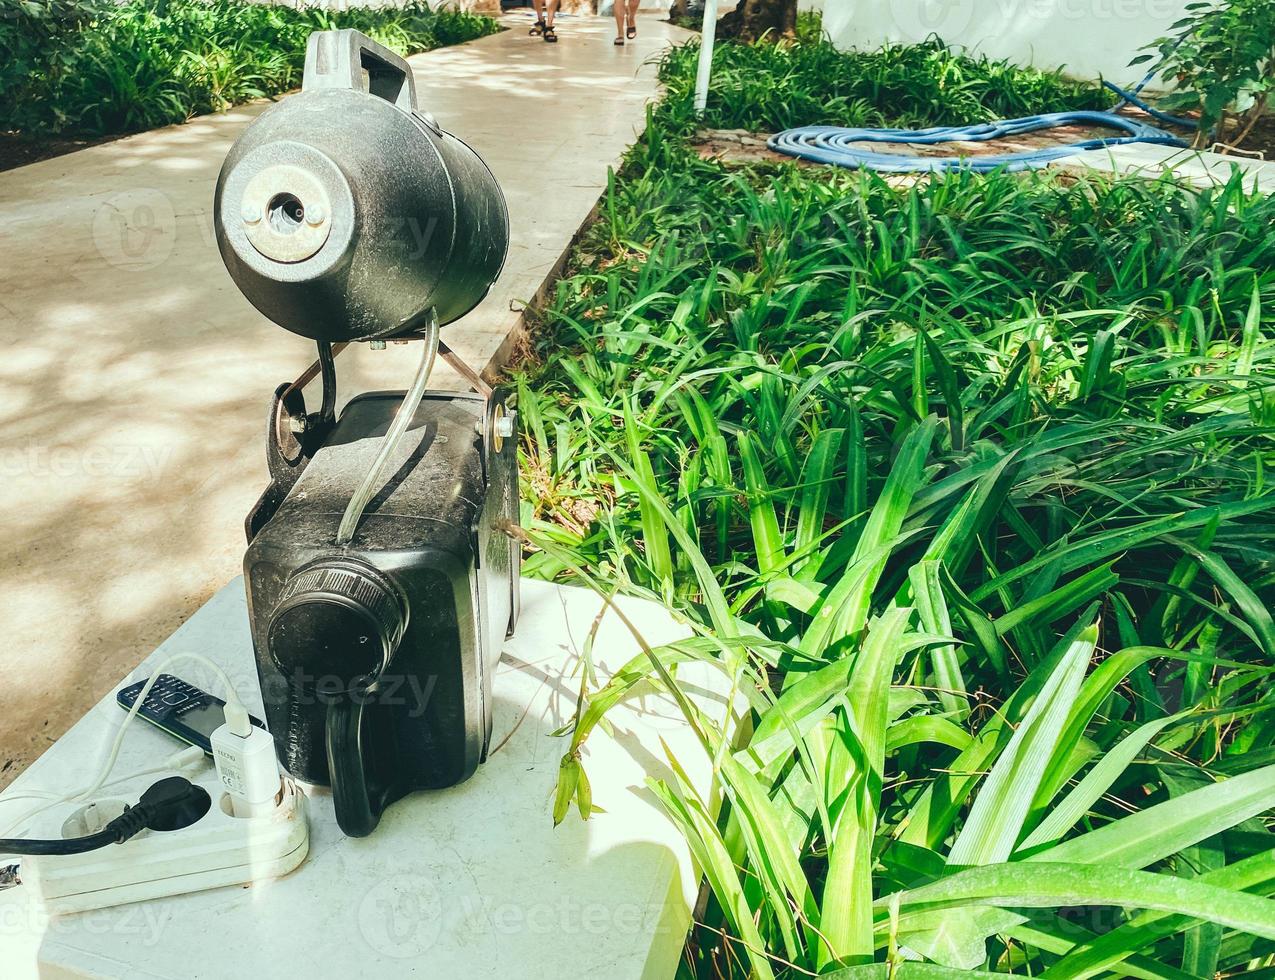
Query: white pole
[(708, 33)]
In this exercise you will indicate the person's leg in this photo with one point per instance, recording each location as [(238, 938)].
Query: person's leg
[(551, 8), (633, 9), (539, 7), (619, 10)]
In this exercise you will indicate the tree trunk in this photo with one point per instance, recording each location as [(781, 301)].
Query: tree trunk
[(752, 20)]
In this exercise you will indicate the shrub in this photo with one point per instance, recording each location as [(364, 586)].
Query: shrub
[(147, 63), (38, 40), (962, 485), (771, 87), (1222, 58)]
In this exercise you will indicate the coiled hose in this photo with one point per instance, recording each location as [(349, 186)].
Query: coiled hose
[(831, 144)]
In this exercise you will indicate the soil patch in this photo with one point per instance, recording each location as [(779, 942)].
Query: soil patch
[(1260, 143), (740, 146), (18, 149)]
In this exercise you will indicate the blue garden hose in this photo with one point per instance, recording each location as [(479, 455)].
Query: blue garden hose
[(831, 144), (1131, 98)]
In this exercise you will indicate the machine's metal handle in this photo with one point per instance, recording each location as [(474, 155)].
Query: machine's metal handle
[(338, 59)]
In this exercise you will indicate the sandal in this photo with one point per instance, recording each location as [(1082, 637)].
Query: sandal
[(618, 42), (538, 29), (550, 35), (631, 31)]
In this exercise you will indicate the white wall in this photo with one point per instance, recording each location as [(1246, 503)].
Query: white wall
[(1088, 38)]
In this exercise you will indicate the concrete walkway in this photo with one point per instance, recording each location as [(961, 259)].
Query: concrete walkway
[(1199, 168), (135, 379)]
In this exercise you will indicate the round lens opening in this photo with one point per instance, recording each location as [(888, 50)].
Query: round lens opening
[(285, 213)]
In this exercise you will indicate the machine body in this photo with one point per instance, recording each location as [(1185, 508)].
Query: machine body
[(382, 571), (376, 660)]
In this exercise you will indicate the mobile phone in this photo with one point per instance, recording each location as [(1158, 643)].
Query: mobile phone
[(179, 708)]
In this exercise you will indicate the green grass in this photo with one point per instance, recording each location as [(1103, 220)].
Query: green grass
[(962, 486), (115, 68), (772, 87)]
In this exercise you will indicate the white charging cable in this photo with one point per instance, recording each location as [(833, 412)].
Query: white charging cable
[(233, 705), (232, 697), (177, 762)]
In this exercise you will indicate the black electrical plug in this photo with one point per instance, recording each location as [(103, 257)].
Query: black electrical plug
[(173, 803), (170, 804)]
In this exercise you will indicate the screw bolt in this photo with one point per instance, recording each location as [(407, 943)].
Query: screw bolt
[(250, 213), (505, 427), (315, 216)]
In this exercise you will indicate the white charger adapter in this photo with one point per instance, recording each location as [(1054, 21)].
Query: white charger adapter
[(245, 760)]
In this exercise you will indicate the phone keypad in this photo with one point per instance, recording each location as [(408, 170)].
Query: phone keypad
[(171, 695)]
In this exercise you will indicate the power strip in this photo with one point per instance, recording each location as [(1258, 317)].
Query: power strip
[(221, 849)]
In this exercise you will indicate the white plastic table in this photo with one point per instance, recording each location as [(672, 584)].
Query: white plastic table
[(468, 882)]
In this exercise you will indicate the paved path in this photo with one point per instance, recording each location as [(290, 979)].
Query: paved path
[(135, 378), (1199, 168)]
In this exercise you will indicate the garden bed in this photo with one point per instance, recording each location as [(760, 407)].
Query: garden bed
[(742, 146), (18, 149), (78, 71), (964, 486)]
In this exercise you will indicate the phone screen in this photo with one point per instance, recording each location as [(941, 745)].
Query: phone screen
[(205, 719)]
